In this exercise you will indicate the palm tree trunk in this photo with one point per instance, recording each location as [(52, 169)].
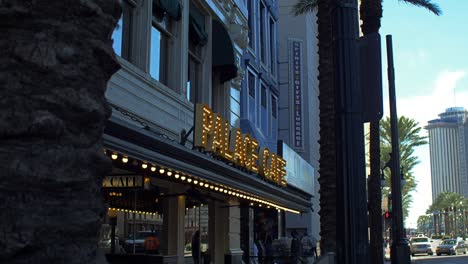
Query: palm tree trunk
[(455, 229), (327, 141), (446, 220), (56, 58)]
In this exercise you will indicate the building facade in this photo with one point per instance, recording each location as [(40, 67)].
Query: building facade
[(185, 160), (448, 145), (267, 99), (299, 105)]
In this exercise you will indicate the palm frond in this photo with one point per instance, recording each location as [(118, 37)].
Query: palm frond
[(304, 7), (434, 8)]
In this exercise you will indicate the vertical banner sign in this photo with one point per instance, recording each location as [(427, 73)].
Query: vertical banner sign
[(295, 81)]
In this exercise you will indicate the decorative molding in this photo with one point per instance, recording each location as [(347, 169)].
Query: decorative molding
[(237, 81)]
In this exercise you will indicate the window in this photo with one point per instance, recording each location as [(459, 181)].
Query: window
[(251, 24), (194, 69), (252, 105), (197, 39), (263, 96), (262, 33), (272, 46), (274, 117), (160, 35), (274, 110), (122, 34), (264, 114), (251, 85), (117, 37)]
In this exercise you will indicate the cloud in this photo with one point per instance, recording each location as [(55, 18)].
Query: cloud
[(427, 107)]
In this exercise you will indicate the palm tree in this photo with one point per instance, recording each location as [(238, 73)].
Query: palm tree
[(422, 221), (447, 203), (409, 138), (328, 148), (56, 60)]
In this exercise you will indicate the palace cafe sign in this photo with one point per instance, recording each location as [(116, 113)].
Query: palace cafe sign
[(215, 135)]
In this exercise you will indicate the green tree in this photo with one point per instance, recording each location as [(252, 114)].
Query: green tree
[(423, 220), (447, 203), (56, 58), (409, 133)]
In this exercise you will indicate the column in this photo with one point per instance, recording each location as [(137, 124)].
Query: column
[(172, 238), (224, 231)]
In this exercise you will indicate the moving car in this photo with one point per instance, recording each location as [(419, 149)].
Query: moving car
[(421, 245), (451, 247)]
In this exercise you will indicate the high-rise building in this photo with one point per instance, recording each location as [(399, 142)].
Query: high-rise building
[(448, 145)]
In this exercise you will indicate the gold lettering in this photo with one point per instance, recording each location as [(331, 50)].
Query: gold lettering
[(203, 126), (213, 133), (247, 152), (216, 142), (228, 154), (254, 155), (264, 158), (281, 169), (273, 174), (237, 146)]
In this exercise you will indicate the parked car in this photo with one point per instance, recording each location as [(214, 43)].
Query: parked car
[(421, 245), (138, 241), (451, 247)]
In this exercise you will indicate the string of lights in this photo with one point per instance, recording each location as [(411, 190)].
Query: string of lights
[(160, 171)]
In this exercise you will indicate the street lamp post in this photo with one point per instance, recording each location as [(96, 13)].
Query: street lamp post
[(400, 249)]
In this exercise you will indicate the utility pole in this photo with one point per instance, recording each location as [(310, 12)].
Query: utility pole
[(351, 222), (400, 253)]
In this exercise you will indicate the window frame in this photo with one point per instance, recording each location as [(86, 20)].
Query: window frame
[(164, 46), (263, 48), (251, 24), (272, 46), (128, 18)]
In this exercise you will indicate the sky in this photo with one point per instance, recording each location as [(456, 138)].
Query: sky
[(431, 73)]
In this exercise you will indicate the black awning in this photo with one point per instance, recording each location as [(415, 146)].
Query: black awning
[(145, 145), (224, 60)]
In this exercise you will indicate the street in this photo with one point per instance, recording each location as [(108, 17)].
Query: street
[(459, 259)]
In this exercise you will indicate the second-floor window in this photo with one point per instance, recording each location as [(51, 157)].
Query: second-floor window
[(160, 36), (272, 47), (251, 23), (263, 47), (122, 33), (198, 37), (251, 98)]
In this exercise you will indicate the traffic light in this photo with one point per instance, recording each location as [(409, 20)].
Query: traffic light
[(388, 215)]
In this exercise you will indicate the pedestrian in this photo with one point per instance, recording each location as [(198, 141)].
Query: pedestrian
[(196, 247), (151, 244), (296, 247), (307, 245), (314, 246)]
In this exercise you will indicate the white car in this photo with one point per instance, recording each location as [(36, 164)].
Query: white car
[(421, 245)]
